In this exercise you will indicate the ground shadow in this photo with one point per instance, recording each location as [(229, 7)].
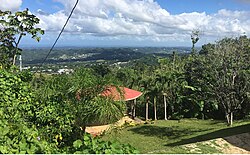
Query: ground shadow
[(223, 133), (241, 140), (173, 132)]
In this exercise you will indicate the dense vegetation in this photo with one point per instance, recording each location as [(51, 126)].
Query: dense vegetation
[(48, 114), (42, 113), (212, 83)]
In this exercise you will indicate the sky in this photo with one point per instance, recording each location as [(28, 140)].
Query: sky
[(135, 23)]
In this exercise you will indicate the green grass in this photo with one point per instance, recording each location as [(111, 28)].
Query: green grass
[(170, 136)]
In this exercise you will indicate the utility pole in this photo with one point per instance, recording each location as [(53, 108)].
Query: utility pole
[(20, 59)]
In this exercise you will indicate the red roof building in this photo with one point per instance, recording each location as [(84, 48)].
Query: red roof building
[(121, 93)]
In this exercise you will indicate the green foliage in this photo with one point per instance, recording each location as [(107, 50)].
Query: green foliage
[(65, 103), (15, 97), (53, 111), (21, 138), (90, 145), (102, 110), (17, 133), (128, 77), (47, 120), (194, 38), (211, 84), (26, 76), (13, 28), (227, 74), (101, 70), (205, 49)]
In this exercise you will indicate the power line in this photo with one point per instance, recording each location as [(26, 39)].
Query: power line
[(60, 33)]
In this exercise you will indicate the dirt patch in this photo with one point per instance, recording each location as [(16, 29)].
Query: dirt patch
[(193, 148), (97, 130)]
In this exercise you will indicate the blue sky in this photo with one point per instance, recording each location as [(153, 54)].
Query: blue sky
[(173, 6), (208, 6), (136, 22), (48, 6)]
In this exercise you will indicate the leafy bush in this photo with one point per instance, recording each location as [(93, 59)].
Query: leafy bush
[(20, 138), (90, 145), (15, 97), (17, 133), (54, 114)]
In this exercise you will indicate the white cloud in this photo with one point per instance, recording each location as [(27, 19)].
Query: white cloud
[(52, 22), (144, 19), (10, 5)]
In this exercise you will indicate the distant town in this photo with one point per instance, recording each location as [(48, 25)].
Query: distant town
[(64, 60)]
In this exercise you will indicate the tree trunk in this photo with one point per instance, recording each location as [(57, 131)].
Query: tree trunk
[(227, 117), (155, 108), (231, 118), (192, 49), (202, 115), (165, 107), (147, 109)]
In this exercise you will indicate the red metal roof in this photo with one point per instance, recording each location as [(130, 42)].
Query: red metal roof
[(121, 93)]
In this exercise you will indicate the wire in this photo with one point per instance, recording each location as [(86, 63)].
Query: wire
[(60, 33)]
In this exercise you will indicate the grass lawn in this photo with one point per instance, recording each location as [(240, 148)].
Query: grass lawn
[(169, 136)]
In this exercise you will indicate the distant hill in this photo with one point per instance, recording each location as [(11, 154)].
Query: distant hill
[(67, 55)]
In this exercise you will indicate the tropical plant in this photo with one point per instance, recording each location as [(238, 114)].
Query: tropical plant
[(90, 145)]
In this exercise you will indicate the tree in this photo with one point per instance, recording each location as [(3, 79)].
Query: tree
[(172, 81), (13, 27), (227, 74)]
